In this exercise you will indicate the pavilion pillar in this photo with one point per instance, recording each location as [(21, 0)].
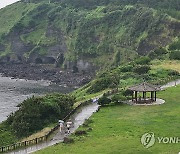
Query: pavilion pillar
[(136, 95), (155, 96), (132, 96), (152, 95), (144, 95)]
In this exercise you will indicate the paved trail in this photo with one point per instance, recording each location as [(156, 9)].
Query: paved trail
[(78, 119), (171, 84)]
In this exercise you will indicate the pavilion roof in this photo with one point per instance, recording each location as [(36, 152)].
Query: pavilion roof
[(145, 87)]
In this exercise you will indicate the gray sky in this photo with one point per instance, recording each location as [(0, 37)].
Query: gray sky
[(3, 3)]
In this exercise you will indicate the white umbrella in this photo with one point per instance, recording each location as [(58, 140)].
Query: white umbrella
[(61, 121)]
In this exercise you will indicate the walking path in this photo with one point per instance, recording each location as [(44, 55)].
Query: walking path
[(78, 119), (171, 84)]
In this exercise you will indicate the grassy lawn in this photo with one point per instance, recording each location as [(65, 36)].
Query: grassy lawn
[(118, 129)]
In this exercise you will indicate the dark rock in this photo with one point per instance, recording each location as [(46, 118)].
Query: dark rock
[(45, 72)]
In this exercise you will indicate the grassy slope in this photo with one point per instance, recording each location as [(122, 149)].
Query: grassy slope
[(10, 18), (167, 64), (117, 129)]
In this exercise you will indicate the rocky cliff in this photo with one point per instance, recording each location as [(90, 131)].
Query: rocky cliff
[(82, 37)]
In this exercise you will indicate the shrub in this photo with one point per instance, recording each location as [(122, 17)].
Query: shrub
[(117, 99), (104, 101), (89, 129), (104, 81), (152, 55), (32, 24), (100, 84), (18, 27), (160, 51), (142, 69), (80, 132), (175, 55), (117, 58), (68, 140), (143, 61), (175, 45), (127, 92), (122, 98), (127, 68), (173, 73)]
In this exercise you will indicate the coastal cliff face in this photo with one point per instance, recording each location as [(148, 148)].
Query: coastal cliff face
[(83, 37)]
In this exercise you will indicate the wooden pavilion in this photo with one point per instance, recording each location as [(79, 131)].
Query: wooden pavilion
[(144, 88)]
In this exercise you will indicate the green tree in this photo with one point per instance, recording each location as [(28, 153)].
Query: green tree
[(37, 112), (104, 101)]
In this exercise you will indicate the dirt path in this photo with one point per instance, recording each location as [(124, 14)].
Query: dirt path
[(78, 119)]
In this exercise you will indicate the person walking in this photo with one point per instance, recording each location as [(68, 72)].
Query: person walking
[(61, 126), (69, 125)]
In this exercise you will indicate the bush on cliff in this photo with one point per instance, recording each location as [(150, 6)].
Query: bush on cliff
[(105, 80), (141, 69), (143, 60), (37, 112), (175, 55)]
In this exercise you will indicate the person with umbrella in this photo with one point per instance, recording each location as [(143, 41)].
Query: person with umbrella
[(61, 125), (69, 125)]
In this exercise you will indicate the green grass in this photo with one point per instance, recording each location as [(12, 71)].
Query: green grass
[(9, 19), (118, 129), (81, 94), (97, 13), (34, 36), (166, 64)]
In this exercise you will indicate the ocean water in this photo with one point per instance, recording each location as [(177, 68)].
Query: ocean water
[(14, 91)]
